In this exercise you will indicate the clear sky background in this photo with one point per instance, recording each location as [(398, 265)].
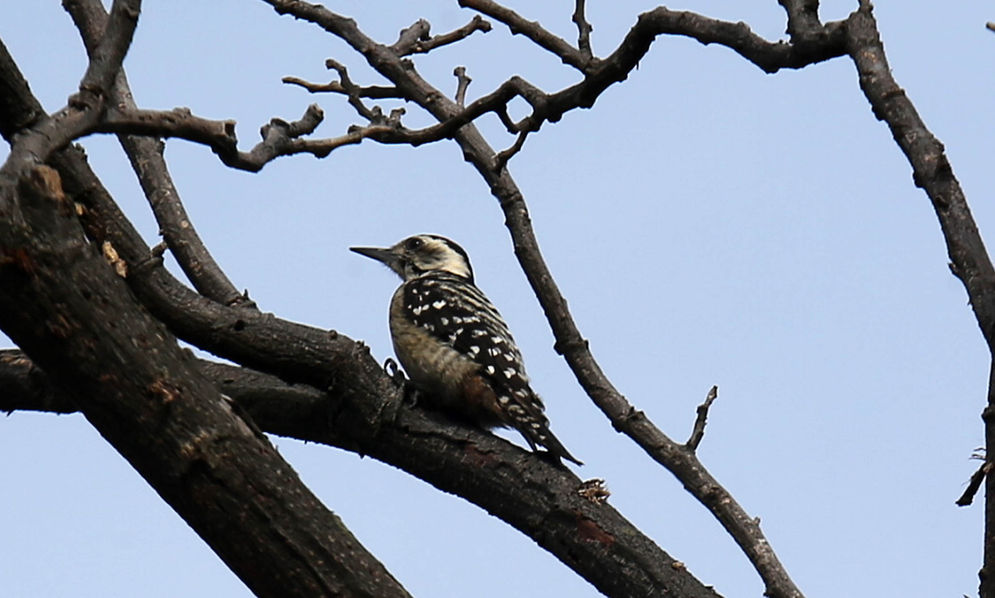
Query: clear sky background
[(709, 224)]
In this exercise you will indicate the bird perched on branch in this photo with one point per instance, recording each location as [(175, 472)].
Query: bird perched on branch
[(453, 343)]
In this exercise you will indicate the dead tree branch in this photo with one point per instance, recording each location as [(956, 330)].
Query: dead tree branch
[(145, 154), (931, 171), (540, 499), (698, 431), (416, 39)]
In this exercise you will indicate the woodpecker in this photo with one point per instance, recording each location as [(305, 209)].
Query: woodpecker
[(453, 343)]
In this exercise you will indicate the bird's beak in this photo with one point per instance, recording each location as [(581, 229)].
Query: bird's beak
[(381, 254)]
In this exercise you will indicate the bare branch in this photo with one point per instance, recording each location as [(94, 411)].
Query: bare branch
[(698, 431), (462, 83), (351, 89), (600, 74), (148, 163), (534, 31), (583, 29), (803, 19), (84, 109), (419, 32), (930, 168), (502, 157), (372, 92), (280, 138), (974, 484), (545, 501), (416, 39), (107, 56)]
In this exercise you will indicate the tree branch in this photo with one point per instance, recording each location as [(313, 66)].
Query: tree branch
[(534, 31), (803, 19), (969, 260), (931, 170), (698, 431), (416, 39), (147, 160), (583, 29)]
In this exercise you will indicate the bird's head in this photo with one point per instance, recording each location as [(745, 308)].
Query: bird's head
[(421, 254)]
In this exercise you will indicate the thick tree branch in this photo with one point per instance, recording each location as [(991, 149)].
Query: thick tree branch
[(803, 19), (163, 417), (545, 501)]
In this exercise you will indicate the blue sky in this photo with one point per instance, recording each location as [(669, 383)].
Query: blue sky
[(709, 224)]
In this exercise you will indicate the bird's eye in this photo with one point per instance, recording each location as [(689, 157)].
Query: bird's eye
[(413, 243)]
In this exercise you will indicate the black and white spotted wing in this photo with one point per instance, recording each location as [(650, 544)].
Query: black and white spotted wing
[(457, 313)]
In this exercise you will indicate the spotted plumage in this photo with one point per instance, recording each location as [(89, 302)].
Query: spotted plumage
[(454, 344)]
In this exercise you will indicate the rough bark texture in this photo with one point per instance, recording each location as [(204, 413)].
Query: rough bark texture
[(538, 498), (64, 305)]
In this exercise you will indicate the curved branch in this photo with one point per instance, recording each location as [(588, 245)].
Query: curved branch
[(930, 168), (969, 259), (148, 163)]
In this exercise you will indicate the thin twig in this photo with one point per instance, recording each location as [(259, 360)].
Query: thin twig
[(351, 89), (583, 29), (698, 431), (532, 30), (462, 83), (502, 157), (373, 92), (974, 484), (415, 39)]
